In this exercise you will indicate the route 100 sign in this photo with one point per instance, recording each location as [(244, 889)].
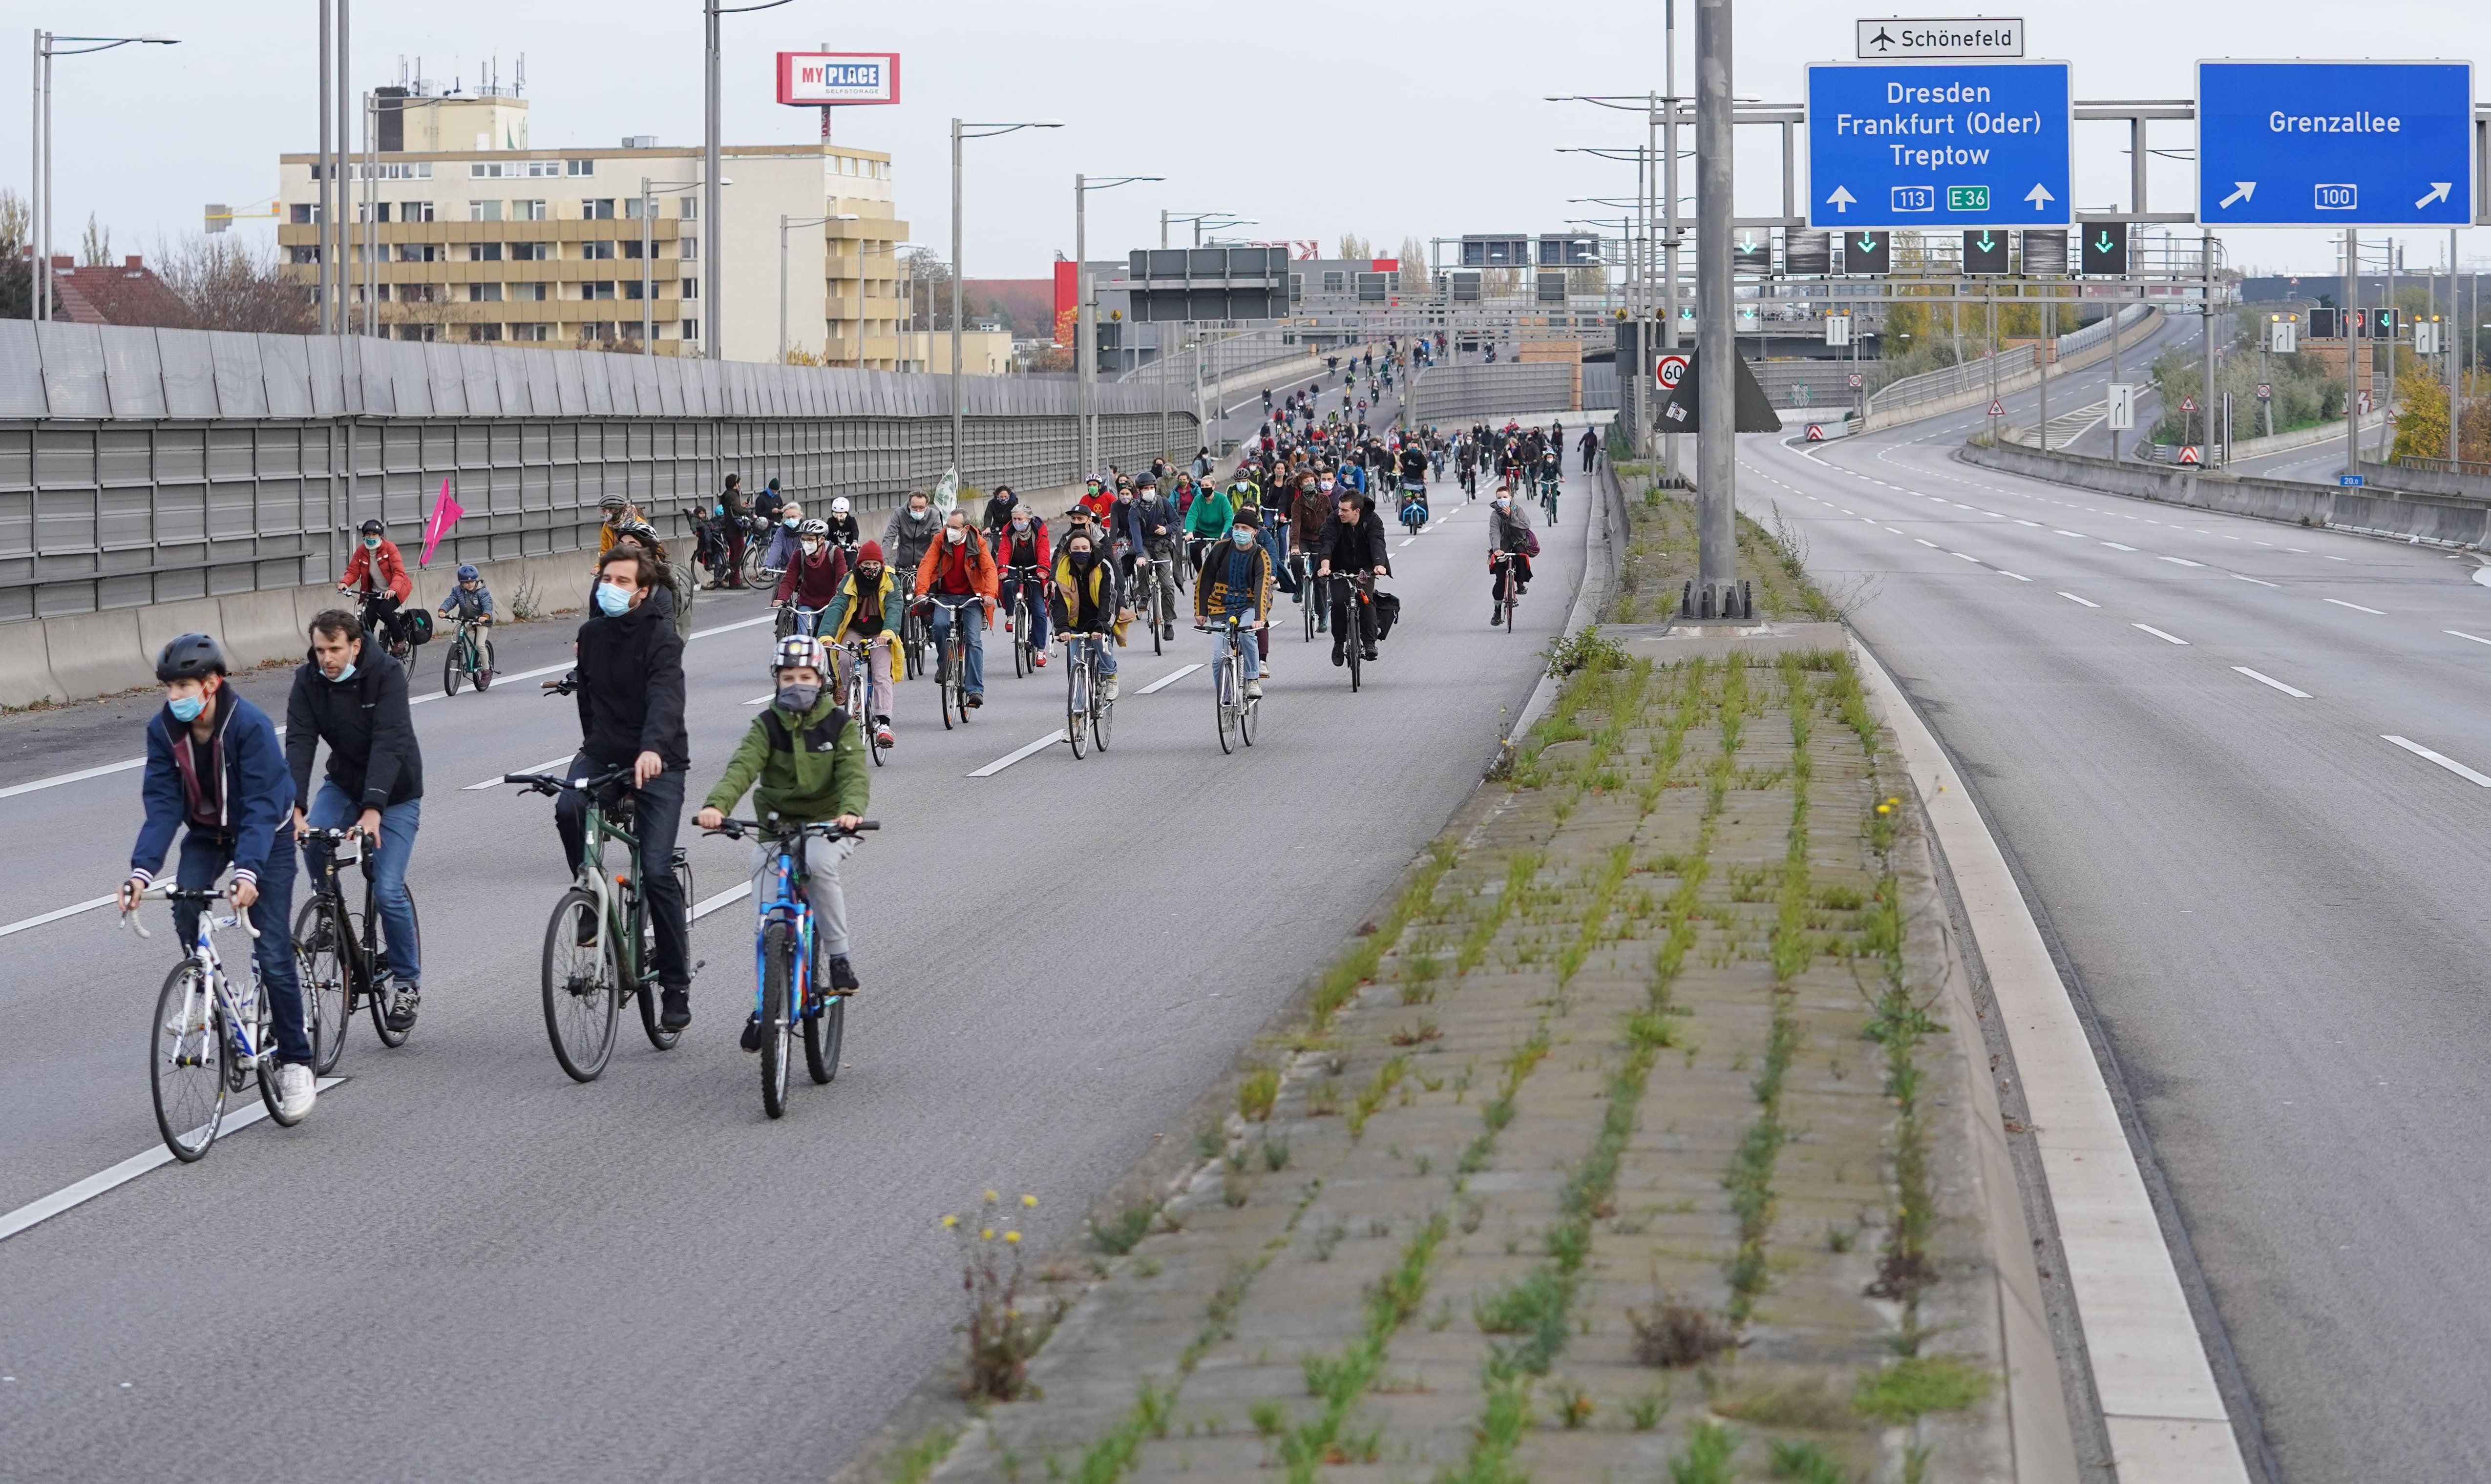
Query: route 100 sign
[(1668, 371)]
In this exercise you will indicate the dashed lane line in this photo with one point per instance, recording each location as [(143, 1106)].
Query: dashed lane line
[(2159, 634), (2440, 758), (2268, 680)]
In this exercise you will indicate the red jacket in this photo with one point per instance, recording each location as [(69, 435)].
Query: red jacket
[(391, 567), (1014, 550), (812, 582), (969, 560)]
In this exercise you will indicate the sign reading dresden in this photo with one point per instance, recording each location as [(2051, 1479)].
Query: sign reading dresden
[(809, 80), (2338, 144), (1938, 144), (1985, 36)]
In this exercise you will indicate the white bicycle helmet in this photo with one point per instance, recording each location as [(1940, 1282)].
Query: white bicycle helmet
[(839, 505), (814, 528), (801, 649)]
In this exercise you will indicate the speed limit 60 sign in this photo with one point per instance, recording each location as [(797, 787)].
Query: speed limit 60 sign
[(1668, 371)]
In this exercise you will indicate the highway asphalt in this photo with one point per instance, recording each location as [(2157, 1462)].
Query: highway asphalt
[(463, 1266), (2244, 772)]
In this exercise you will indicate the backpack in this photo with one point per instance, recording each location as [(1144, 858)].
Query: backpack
[(416, 624)]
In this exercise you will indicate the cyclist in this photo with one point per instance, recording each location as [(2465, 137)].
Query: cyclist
[(1208, 521), (999, 508), (1151, 527), (1237, 583), (841, 528), (377, 573), (803, 765), (214, 770), (863, 608), (1021, 562), (629, 684), (812, 580), (1551, 469), (470, 602), (783, 541), (1352, 541), (619, 513), (732, 513), (676, 584), (1097, 501), (957, 570), (1510, 533), (911, 530), (352, 696), (1086, 607)]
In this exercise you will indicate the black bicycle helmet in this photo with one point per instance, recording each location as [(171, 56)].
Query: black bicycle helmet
[(190, 657), (370, 528)]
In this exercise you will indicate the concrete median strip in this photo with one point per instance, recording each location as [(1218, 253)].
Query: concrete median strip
[(2165, 1415)]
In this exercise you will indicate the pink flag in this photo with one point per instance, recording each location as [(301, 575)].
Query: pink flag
[(444, 515)]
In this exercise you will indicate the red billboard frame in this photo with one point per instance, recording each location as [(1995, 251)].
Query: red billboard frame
[(787, 80)]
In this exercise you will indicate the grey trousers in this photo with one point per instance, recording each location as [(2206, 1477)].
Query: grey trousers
[(822, 860)]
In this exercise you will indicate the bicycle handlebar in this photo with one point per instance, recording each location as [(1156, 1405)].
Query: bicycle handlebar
[(170, 892), (828, 830), (547, 783)]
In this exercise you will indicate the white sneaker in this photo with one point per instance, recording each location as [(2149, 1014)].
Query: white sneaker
[(295, 1091), (1109, 693), (1253, 691)]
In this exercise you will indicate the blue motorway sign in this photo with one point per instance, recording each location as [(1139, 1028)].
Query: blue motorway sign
[(1938, 144), (2336, 143)]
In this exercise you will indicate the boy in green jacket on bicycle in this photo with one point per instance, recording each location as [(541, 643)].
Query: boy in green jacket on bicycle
[(804, 764)]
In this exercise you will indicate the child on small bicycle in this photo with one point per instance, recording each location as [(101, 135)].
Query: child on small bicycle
[(470, 602), (803, 764)]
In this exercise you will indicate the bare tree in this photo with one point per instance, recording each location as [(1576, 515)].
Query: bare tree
[(1353, 245), (17, 268), (95, 244), (230, 285), (1414, 266)]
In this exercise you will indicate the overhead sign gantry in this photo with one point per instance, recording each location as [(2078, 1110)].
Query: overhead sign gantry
[(2336, 144), (1939, 144)]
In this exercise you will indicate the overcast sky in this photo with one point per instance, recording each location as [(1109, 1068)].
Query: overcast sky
[(1422, 121)]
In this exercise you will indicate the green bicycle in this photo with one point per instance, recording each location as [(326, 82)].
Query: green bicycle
[(470, 659)]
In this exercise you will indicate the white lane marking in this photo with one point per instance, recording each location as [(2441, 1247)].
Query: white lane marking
[(762, 700), (1931, 545), (1009, 759), (57, 779), (2355, 607), (2183, 561), (1170, 678), (2159, 633), (2018, 576), (714, 903), (44, 1209), (1891, 530), (2034, 524), (2297, 551), (1410, 542), (2074, 598), (2260, 581), (2462, 634), (2442, 759), (2078, 535), (1975, 560), (496, 783), (55, 915), (2116, 546), (2269, 679)]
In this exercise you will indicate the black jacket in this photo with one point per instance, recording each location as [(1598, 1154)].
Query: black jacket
[(1358, 548), (363, 719), (631, 693)]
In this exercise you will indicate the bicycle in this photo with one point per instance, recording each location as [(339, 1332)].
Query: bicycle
[(756, 552), (952, 664), (470, 657), (1086, 709), (600, 938), (1548, 489), (207, 1040), (786, 992), (1232, 710), (858, 684), (793, 617), (1503, 562), (1310, 608), (1413, 508), (380, 614), (1361, 623), (339, 953), (1154, 598), (915, 639), (1023, 581)]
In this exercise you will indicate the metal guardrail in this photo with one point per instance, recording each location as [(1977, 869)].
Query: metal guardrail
[(1444, 394), (1949, 381)]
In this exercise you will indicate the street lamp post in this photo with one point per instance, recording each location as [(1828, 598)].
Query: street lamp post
[(714, 344), (784, 222), (1716, 444), (1085, 347), (47, 46), (961, 131)]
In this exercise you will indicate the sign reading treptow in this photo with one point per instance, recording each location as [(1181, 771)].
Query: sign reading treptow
[(2336, 143), (1952, 37), (1938, 144), (813, 79)]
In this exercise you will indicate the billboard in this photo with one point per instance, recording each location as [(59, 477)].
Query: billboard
[(822, 79)]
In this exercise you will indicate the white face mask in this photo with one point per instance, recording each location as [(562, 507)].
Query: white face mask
[(811, 548), (955, 535)]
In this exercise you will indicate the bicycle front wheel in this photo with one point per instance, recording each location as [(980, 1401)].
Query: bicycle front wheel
[(1247, 713), (379, 1003), (581, 990), (453, 669), (320, 961), (186, 1063), (1076, 702), (1223, 708), (778, 984)]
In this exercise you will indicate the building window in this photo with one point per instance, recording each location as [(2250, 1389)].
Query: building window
[(691, 288), (536, 333), (690, 329), (380, 293), (483, 252), (631, 248), (1335, 283), (415, 211), (597, 251), (596, 288), (534, 293), (483, 331), (484, 293), (688, 249), (580, 166), (420, 252), (302, 216), (419, 332), (483, 211), (597, 209), (691, 208), (631, 288), (529, 211), (530, 252), (303, 255)]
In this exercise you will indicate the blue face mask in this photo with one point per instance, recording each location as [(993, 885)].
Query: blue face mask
[(346, 674), (188, 707), (613, 601), (371, 544)]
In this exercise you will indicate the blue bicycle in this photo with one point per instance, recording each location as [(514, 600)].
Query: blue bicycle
[(787, 994)]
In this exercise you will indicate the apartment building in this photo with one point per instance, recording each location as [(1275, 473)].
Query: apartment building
[(459, 229)]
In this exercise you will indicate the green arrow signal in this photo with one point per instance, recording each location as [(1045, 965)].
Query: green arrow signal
[(2104, 245), (1868, 244), (1986, 245)]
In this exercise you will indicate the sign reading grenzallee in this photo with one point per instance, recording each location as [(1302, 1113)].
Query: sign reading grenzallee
[(1982, 35), (2336, 143), (1938, 143)]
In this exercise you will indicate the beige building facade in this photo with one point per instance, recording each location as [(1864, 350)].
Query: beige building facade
[(459, 229)]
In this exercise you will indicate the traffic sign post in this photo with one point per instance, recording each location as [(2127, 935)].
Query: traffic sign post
[(1838, 329), (2121, 406), (2188, 453), (2338, 144), (2266, 391), (1940, 144)]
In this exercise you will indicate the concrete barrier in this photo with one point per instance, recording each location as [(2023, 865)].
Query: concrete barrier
[(2408, 516), (96, 654), (26, 674), (160, 624)]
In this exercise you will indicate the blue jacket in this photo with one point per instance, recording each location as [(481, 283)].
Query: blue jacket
[(255, 798), (479, 601)]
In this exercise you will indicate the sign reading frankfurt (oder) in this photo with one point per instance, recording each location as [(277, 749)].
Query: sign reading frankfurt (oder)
[(1938, 144)]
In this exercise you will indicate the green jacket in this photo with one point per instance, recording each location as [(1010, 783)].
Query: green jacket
[(806, 767), (1211, 515)]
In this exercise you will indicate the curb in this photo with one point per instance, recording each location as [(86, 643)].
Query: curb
[(2164, 1415)]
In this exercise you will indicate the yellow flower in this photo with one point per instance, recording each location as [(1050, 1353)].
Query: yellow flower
[(1029, 1199), (1012, 1237), (992, 1198), (950, 1222), (988, 1235)]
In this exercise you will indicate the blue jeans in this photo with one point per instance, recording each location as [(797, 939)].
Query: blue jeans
[(204, 858), (973, 616), (1245, 645), (1103, 645), (334, 808)]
